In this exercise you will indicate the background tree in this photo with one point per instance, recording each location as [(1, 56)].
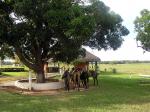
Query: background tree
[(142, 27), (5, 51), (42, 29), (108, 29)]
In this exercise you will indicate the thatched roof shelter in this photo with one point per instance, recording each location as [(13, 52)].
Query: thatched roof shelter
[(89, 57), (83, 62)]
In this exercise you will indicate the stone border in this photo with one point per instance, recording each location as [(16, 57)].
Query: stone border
[(40, 86)]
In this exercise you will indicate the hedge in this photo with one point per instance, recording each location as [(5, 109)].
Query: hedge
[(12, 70)]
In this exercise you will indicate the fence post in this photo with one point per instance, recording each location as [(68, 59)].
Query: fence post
[(30, 80)]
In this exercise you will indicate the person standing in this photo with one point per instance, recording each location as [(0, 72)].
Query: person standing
[(66, 77)]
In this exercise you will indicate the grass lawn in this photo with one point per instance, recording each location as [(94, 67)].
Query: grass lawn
[(15, 74), (116, 93), (11, 76), (6, 76), (141, 68)]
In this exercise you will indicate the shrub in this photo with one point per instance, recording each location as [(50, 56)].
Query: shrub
[(114, 70), (12, 70)]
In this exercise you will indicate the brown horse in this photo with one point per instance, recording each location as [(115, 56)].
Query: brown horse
[(79, 77), (76, 79)]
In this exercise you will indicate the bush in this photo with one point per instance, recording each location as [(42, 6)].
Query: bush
[(12, 70), (114, 70)]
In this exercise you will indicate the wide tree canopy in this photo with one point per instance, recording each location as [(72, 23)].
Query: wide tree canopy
[(42, 29), (142, 27)]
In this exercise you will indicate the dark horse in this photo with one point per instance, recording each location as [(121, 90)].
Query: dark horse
[(84, 77)]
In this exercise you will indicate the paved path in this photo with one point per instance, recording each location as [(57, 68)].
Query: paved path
[(11, 83)]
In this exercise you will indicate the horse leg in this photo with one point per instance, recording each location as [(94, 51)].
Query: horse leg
[(82, 82), (68, 84), (66, 88), (85, 83), (78, 82), (74, 82), (94, 80), (97, 81)]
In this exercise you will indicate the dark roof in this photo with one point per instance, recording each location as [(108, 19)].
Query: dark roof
[(89, 57)]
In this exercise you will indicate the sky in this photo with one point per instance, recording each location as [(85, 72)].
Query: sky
[(128, 10)]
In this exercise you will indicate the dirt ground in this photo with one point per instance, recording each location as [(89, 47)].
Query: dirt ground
[(6, 85), (16, 90)]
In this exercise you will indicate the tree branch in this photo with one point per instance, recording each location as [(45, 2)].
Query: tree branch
[(22, 58)]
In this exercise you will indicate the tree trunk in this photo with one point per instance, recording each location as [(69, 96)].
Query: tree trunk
[(0, 62), (40, 77), (37, 65)]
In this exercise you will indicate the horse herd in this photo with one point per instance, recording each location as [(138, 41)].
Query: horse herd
[(77, 78)]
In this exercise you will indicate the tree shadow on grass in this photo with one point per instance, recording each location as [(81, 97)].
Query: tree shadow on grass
[(112, 92), (112, 95), (4, 75)]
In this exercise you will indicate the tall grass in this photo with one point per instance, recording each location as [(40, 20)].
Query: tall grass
[(141, 68)]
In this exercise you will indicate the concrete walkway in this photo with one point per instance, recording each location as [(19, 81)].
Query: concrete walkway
[(11, 83)]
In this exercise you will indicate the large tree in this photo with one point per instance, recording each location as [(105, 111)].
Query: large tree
[(142, 27), (108, 30), (6, 51), (42, 29)]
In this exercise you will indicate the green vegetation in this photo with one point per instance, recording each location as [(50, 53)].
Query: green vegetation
[(116, 93), (56, 29), (15, 74), (14, 69), (140, 68), (142, 27)]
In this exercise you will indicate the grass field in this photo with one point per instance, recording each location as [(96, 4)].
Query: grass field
[(116, 93), (6, 76), (141, 68)]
